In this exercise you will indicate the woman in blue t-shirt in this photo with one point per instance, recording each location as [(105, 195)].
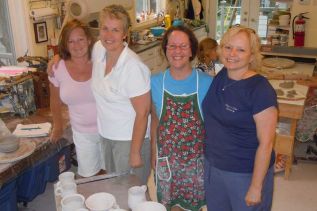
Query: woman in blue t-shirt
[(177, 129), (240, 112)]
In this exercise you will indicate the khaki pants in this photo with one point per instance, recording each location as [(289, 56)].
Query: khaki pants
[(116, 156)]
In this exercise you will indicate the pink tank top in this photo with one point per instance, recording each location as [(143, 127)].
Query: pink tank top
[(79, 99)]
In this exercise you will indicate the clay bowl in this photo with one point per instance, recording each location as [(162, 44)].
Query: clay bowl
[(9, 144)]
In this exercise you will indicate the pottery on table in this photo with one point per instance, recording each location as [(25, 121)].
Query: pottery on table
[(101, 201), (9, 143), (136, 195), (73, 202)]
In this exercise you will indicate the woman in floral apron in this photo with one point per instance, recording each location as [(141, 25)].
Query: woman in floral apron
[(177, 128)]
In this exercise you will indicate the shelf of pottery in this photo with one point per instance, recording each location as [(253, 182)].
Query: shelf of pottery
[(278, 30)]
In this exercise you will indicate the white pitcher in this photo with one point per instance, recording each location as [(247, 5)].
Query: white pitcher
[(136, 195)]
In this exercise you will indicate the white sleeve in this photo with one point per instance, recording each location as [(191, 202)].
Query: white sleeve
[(137, 80)]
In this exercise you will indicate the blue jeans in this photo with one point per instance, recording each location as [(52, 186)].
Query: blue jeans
[(225, 191)]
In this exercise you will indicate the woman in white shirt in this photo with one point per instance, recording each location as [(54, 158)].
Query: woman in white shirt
[(121, 86)]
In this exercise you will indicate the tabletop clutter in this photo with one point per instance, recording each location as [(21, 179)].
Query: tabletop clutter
[(71, 200), (12, 148)]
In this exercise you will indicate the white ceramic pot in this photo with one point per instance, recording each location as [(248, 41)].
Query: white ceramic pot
[(66, 177), (101, 202), (72, 202), (136, 195), (66, 189)]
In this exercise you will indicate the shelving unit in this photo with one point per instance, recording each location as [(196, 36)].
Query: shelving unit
[(284, 143)]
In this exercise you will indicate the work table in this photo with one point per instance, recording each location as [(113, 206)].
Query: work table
[(43, 148)]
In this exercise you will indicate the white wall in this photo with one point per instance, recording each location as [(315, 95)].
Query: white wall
[(311, 23), (23, 30)]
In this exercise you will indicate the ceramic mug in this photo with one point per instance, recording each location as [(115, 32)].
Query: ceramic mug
[(73, 202), (66, 189), (136, 195), (101, 202), (66, 177), (149, 205)]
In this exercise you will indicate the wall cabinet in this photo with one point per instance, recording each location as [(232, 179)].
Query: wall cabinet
[(200, 33), (154, 59)]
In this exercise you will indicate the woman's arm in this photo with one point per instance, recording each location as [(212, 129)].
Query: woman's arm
[(56, 109), (154, 125), (265, 126), (53, 62), (141, 105)]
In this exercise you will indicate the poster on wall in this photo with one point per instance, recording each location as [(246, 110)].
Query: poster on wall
[(40, 31)]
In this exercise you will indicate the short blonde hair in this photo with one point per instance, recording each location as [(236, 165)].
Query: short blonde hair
[(255, 44), (118, 12)]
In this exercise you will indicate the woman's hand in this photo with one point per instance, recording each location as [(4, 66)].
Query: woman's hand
[(135, 160), (56, 135), (253, 196), (53, 62)]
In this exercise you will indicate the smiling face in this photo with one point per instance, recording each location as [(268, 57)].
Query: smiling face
[(78, 43), (112, 34), (178, 50), (236, 53)]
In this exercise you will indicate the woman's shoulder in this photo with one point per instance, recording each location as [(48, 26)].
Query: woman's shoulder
[(98, 50), (259, 80), (157, 78), (130, 59), (60, 69), (204, 77)]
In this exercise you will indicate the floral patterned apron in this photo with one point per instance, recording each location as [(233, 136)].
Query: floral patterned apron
[(179, 168)]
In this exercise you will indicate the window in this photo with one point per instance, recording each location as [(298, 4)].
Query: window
[(254, 14), (7, 56), (146, 10)]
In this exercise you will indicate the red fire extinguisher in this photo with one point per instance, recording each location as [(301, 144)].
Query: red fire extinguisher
[(298, 26)]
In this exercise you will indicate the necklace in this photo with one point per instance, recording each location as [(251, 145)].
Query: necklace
[(232, 83), (228, 85)]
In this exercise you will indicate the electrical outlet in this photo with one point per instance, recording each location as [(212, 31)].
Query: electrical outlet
[(304, 2)]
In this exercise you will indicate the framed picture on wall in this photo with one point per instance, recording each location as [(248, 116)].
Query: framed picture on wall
[(40, 31)]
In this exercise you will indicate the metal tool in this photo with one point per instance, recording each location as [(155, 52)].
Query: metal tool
[(30, 128), (101, 177)]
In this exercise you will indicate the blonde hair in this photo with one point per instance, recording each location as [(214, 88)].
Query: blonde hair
[(204, 47), (117, 12), (254, 40)]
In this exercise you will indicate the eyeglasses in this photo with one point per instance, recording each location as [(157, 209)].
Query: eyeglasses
[(181, 46)]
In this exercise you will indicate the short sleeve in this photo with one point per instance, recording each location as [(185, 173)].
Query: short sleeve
[(54, 80), (137, 80), (264, 96)]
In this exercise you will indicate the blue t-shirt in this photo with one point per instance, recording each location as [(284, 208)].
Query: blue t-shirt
[(178, 87), (228, 108)]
